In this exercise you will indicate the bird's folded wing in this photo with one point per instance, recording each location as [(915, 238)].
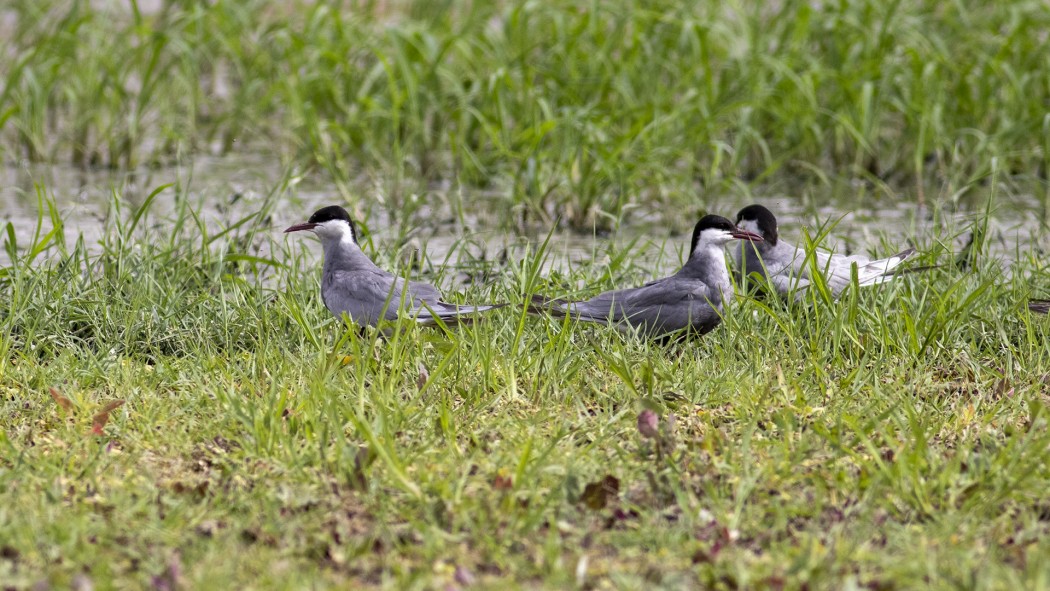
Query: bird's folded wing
[(838, 269), (883, 266), (365, 295), (669, 296), (420, 292)]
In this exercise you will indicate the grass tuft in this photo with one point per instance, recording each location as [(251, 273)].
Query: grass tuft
[(261, 443)]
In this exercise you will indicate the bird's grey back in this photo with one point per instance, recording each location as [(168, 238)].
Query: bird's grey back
[(788, 268), (661, 306), (351, 283)]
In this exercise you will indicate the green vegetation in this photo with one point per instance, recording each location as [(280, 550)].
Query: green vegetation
[(579, 112), (897, 438)]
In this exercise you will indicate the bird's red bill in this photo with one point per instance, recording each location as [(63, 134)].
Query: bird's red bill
[(300, 227), (745, 235)]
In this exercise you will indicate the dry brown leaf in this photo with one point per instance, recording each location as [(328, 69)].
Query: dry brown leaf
[(63, 402), (98, 422), (503, 481), (597, 494), (423, 377)]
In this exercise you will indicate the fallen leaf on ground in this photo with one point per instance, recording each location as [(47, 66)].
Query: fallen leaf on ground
[(98, 422), (503, 481), (63, 402), (597, 494), (424, 375)]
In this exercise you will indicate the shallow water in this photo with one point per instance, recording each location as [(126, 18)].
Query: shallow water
[(231, 187)]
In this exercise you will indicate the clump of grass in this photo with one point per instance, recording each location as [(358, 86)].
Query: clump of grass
[(582, 114), (819, 445)]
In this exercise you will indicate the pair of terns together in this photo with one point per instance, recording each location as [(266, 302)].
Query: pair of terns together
[(691, 299)]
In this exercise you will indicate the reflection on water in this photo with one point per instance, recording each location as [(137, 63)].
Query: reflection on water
[(229, 188)]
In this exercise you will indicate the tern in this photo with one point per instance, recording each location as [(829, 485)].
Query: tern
[(352, 284), (786, 267), (691, 299)]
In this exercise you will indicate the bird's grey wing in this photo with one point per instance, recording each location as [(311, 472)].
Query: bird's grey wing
[(790, 270), (421, 292), (371, 295), (428, 306), (661, 306), (361, 294), (888, 264), (834, 269), (781, 265), (788, 283), (368, 296), (748, 257), (838, 269)]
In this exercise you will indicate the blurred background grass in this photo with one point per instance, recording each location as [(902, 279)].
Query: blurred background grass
[(894, 436), (577, 110)]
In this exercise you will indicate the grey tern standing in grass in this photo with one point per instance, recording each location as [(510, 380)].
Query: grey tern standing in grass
[(786, 267), (352, 284), (691, 299)]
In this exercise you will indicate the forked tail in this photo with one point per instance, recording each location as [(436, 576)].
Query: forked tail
[(451, 314)]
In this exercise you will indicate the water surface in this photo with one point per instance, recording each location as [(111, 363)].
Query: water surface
[(229, 188)]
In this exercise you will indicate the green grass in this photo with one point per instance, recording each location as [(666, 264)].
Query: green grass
[(580, 113), (896, 438), (893, 439)]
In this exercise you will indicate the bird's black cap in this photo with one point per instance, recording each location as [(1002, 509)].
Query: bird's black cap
[(327, 214), (766, 221), (709, 222), (333, 212)]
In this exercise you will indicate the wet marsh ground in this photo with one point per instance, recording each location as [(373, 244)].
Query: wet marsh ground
[(895, 438)]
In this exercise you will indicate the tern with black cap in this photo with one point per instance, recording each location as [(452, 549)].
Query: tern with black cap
[(786, 267), (352, 284), (692, 299)]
